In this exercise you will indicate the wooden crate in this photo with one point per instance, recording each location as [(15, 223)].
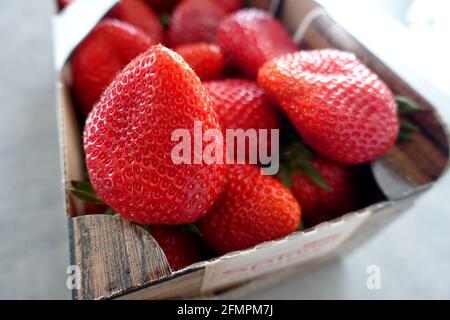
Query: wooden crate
[(117, 259)]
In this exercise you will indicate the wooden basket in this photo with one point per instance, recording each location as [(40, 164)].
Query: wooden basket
[(117, 259)]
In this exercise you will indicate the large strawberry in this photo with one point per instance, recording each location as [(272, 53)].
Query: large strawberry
[(105, 51), (340, 108), (139, 14), (194, 21), (321, 203), (250, 37), (128, 142), (252, 209), (242, 104), (205, 58), (181, 247)]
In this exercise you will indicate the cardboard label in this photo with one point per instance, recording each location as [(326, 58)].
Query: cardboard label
[(73, 24), (301, 247)]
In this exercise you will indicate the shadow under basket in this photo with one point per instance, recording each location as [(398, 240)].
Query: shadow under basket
[(118, 259)]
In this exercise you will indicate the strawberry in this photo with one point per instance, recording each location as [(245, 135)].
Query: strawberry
[(105, 51), (252, 209), (230, 5), (205, 58), (181, 247), (194, 21), (242, 104), (250, 37), (322, 204), (63, 3), (137, 13), (340, 108), (128, 142)]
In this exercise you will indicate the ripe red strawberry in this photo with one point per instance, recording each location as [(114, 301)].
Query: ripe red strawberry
[(319, 204), (181, 247), (230, 5), (205, 58), (242, 104), (250, 37), (340, 108), (137, 13), (128, 142), (106, 50), (194, 21), (252, 209), (63, 3)]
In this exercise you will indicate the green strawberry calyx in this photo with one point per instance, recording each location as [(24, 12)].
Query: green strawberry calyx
[(406, 106), (297, 157), (83, 190), (165, 19)]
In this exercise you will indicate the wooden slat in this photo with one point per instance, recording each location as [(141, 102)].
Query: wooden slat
[(114, 256), (181, 285), (71, 151)]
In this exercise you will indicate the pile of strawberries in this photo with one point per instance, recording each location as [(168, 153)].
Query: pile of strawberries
[(229, 67)]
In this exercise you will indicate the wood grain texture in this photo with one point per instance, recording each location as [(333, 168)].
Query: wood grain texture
[(180, 285), (114, 256), (71, 151)]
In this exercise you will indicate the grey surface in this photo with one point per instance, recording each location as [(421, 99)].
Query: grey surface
[(413, 253), (33, 245)]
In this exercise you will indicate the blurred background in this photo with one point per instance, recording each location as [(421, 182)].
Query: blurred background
[(412, 253)]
